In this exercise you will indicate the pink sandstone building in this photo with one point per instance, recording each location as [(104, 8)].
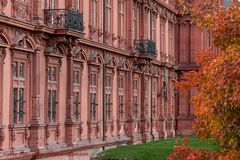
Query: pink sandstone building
[(77, 76)]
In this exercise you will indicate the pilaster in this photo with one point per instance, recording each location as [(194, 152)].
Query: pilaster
[(36, 128), (129, 120)]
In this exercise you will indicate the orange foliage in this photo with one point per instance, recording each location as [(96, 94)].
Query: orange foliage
[(183, 152), (217, 104)]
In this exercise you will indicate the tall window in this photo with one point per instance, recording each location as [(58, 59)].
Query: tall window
[(171, 46), (93, 96), (135, 22), (153, 29), (108, 15), (94, 13), (76, 93), (135, 109), (19, 94), (146, 97), (121, 7), (162, 35), (52, 93), (154, 98), (121, 92), (108, 96)]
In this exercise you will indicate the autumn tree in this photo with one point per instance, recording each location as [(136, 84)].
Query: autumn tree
[(217, 104)]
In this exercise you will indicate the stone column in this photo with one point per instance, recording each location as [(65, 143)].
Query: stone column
[(36, 127)]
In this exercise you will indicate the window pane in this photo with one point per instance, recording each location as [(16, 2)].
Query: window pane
[(53, 106), (94, 13), (15, 100), (76, 113), (49, 106), (15, 69), (49, 73), (54, 74), (77, 77), (94, 79), (21, 70), (21, 101)]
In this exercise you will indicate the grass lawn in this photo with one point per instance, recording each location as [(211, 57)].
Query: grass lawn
[(158, 150)]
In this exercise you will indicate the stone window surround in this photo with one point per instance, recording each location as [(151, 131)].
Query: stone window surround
[(93, 89), (77, 86), (21, 57), (121, 92), (52, 62)]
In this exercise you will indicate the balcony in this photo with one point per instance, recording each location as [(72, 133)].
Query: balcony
[(146, 48), (63, 19)]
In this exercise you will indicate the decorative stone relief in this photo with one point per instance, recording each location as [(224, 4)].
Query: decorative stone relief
[(122, 63), (3, 4), (110, 38), (21, 9), (52, 47), (2, 136), (121, 42), (47, 131), (80, 131), (95, 33), (58, 133)]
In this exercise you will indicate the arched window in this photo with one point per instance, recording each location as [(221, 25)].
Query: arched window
[(21, 93)]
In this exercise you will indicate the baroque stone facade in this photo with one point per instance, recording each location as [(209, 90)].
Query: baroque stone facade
[(79, 75)]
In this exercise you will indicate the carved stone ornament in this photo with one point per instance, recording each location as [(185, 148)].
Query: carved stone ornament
[(80, 130), (27, 133), (123, 63), (17, 37), (76, 53), (92, 56), (21, 9), (58, 131), (3, 4), (52, 49), (108, 58), (163, 12), (2, 135), (4, 53), (154, 70), (13, 135), (47, 131)]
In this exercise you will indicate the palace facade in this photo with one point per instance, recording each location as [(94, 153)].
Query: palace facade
[(78, 76)]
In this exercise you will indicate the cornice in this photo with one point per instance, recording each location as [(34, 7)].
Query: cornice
[(167, 6), (104, 46), (187, 67), (17, 23)]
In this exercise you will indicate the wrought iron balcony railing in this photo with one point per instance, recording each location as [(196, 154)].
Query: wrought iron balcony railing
[(146, 47), (63, 19)]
